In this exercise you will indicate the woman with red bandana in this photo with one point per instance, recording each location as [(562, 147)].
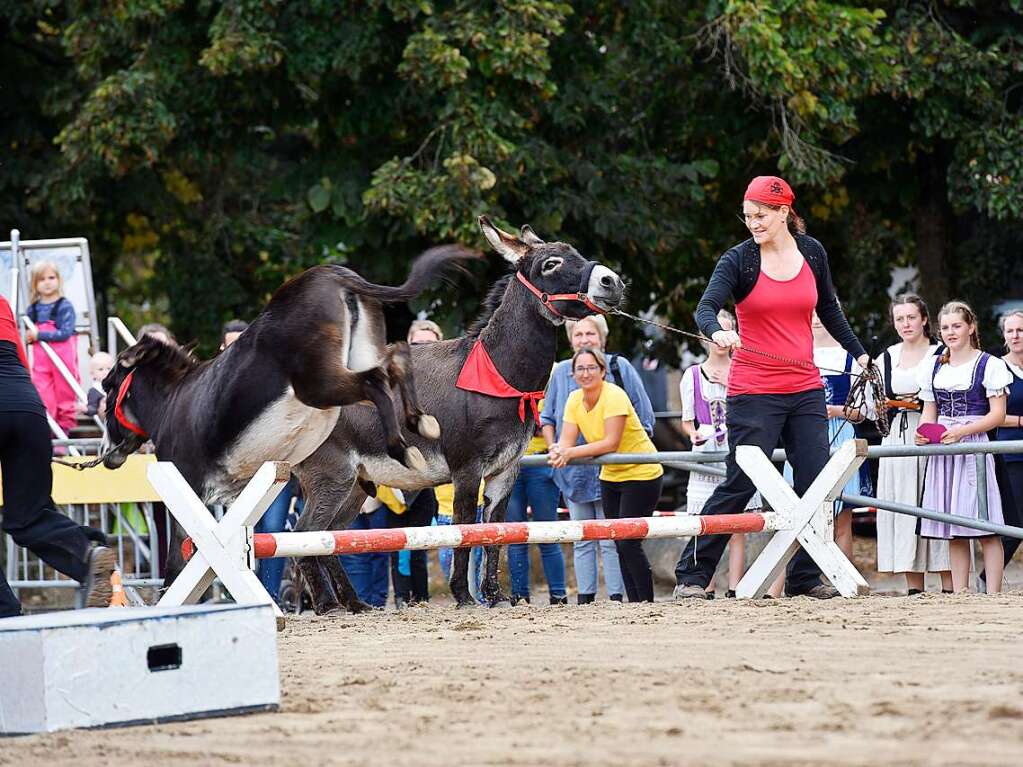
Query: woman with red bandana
[(777, 279)]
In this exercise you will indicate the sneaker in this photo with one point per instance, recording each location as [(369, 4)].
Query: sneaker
[(562, 600), (689, 592), (585, 599), (617, 598), (820, 591), (515, 599), (98, 590)]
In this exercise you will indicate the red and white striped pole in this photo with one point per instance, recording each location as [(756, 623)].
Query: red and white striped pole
[(321, 544)]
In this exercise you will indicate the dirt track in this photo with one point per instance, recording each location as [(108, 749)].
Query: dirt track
[(790, 682)]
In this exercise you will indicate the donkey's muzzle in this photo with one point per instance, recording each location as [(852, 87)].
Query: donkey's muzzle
[(605, 288)]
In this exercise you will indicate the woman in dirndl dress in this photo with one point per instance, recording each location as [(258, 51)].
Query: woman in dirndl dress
[(964, 391), (704, 389), (901, 479)]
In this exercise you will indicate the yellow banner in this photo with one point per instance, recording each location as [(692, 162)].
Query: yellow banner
[(127, 484)]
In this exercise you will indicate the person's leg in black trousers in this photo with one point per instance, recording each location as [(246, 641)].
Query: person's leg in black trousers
[(413, 587), (805, 435), (423, 510), (30, 517), (753, 419), (611, 501), (636, 498), (1012, 502)]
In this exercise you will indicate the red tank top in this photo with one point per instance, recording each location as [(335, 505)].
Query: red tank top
[(775, 317)]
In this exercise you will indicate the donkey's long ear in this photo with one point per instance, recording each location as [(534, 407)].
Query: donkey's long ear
[(508, 245), (529, 236), (133, 355)]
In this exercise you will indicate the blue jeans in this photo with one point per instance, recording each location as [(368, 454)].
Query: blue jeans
[(369, 573), (446, 555), (535, 486), (585, 553), (273, 520)]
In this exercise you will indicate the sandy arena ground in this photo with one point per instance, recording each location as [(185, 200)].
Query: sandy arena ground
[(926, 680)]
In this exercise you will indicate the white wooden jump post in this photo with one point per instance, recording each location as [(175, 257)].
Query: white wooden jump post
[(808, 521), (229, 549), (223, 548)]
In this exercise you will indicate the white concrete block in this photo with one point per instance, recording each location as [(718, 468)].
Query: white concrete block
[(91, 668)]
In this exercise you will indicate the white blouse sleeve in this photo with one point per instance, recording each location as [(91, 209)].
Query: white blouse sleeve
[(924, 371), (687, 392), (996, 377)]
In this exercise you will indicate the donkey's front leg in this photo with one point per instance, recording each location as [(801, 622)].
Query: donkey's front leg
[(496, 494), (399, 368), (467, 491)]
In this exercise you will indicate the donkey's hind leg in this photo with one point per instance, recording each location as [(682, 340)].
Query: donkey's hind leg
[(327, 482), (399, 368), (347, 595), (378, 391)]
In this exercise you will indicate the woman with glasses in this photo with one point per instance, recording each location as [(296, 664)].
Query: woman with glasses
[(603, 414), (777, 278), (580, 485)]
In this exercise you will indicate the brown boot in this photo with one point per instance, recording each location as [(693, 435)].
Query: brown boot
[(98, 590)]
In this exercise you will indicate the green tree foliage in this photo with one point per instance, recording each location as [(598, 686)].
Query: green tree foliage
[(209, 150)]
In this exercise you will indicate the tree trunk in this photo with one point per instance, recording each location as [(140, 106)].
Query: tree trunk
[(933, 214)]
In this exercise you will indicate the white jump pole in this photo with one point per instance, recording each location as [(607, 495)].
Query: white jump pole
[(327, 543)]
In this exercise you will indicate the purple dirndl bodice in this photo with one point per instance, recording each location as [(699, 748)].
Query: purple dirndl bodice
[(959, 404)]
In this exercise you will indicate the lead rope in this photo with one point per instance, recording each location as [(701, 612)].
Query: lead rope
[(80, 466), (866, 386)]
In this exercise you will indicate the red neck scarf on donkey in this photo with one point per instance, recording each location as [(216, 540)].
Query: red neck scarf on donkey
[(479, 374)]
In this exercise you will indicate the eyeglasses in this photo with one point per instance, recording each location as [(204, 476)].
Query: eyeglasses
[(586, 369)]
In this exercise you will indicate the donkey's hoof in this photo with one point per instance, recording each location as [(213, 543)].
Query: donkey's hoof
[(328, 608), (414, 459), (358, 606), (428, 427)]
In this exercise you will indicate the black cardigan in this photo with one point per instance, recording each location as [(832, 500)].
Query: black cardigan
[(737, 271)]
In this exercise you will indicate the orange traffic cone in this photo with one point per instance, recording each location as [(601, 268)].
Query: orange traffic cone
[(117, 598)]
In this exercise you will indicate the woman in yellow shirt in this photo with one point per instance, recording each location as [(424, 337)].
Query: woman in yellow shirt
[(608, 422)]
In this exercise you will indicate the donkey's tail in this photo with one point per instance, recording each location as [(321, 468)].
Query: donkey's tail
[(425, 269)]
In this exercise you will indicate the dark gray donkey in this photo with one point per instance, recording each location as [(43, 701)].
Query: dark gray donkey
[(508, 352)]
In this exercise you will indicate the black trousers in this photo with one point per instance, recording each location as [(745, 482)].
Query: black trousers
[(414, 587), (30, 517), (1012, 503), (636, 498), (800, 420)]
